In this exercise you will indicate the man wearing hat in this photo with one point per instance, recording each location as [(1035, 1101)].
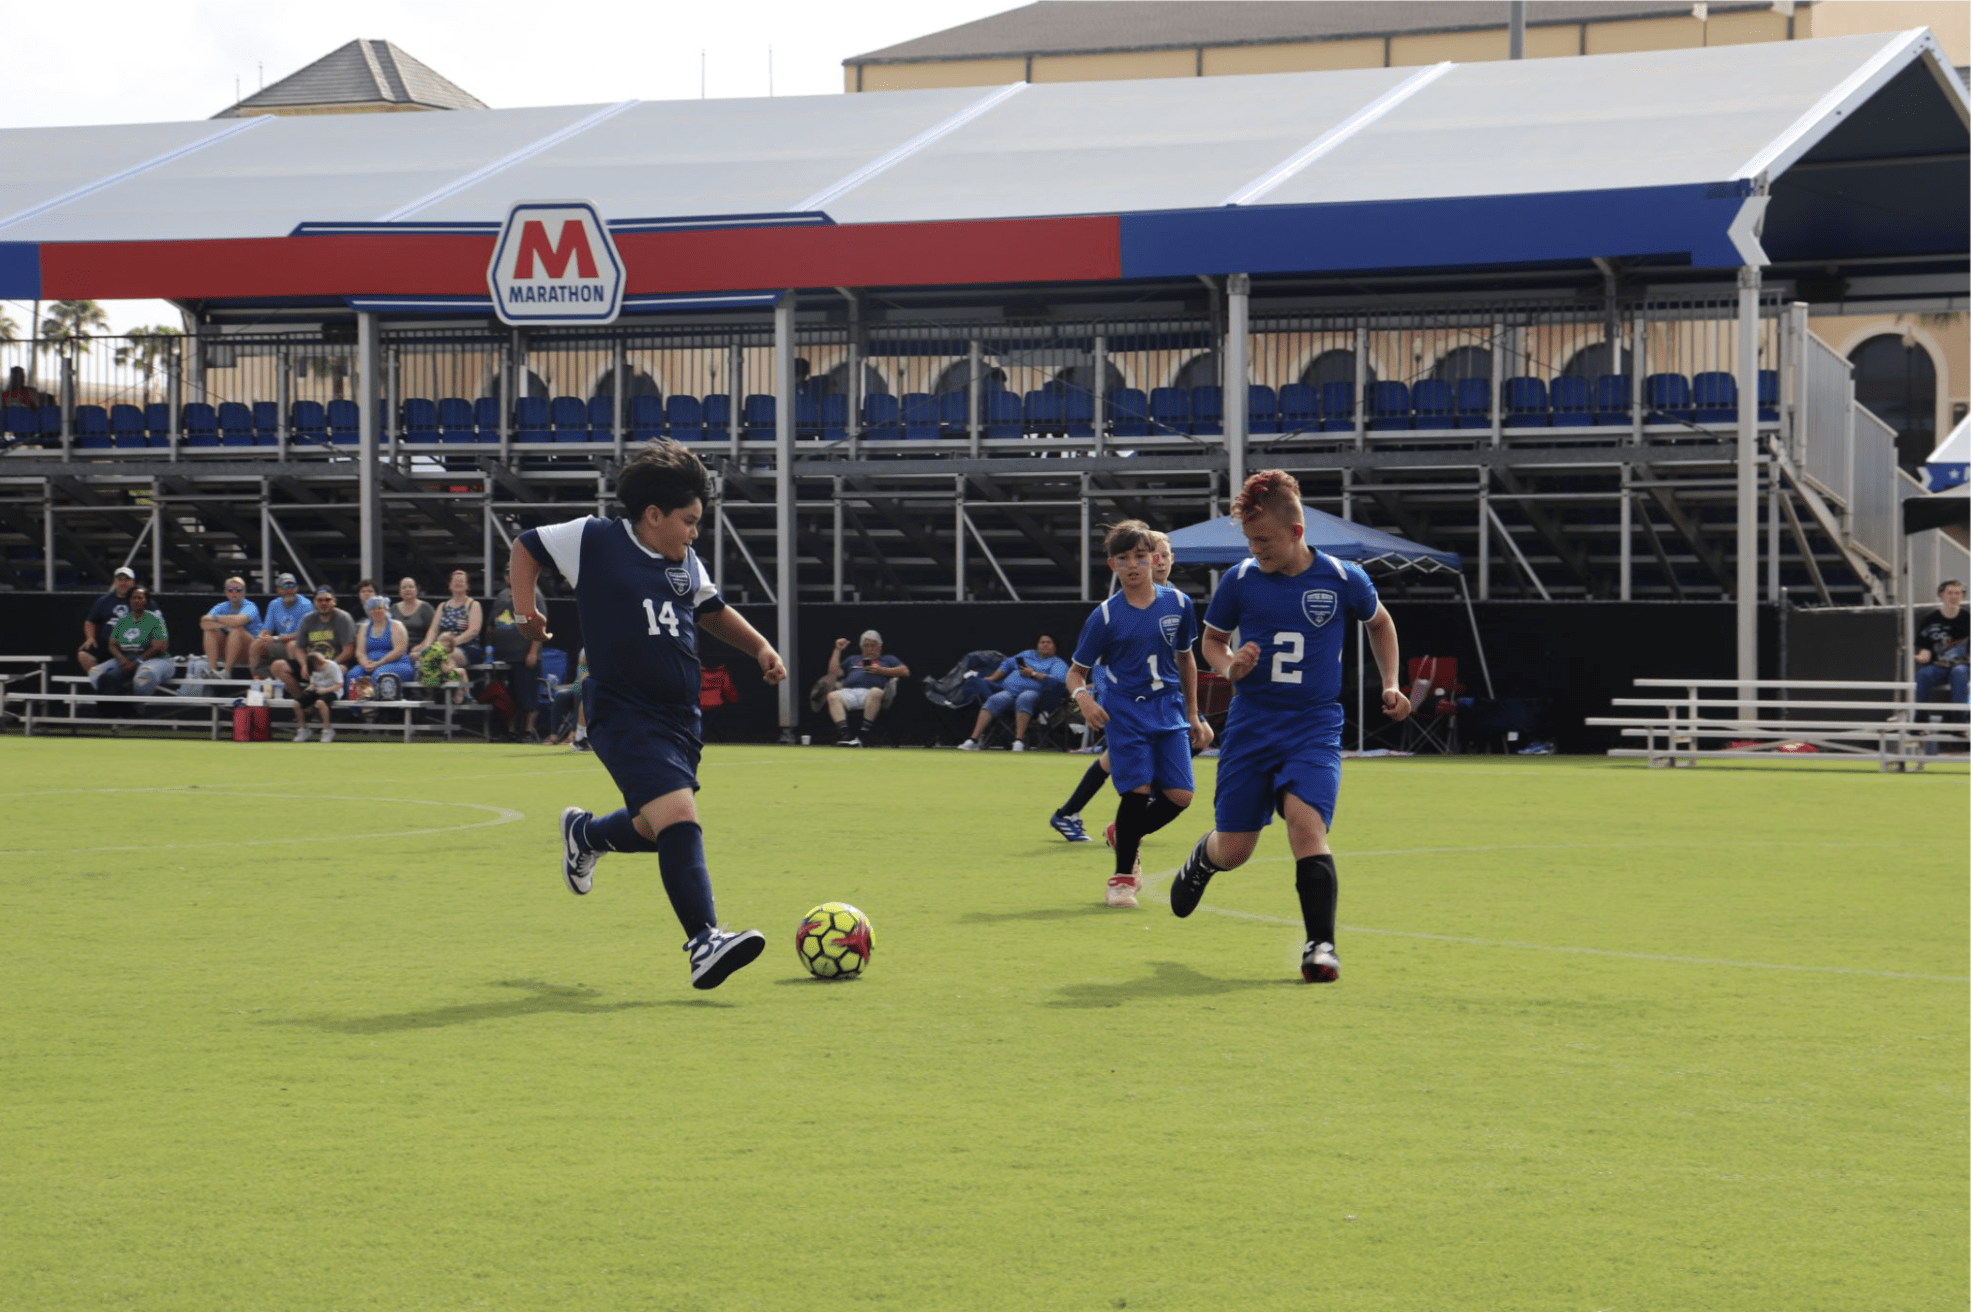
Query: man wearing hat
[(229, 628), (107, 610), (279, 622)]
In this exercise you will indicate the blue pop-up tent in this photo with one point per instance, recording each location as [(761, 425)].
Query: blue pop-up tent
[(1218, 542)]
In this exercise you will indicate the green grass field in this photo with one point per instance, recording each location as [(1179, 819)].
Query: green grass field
[(298, 1027)]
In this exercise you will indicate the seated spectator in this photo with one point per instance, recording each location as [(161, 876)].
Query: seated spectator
[(329, 631), (365, 589), (1940, 649), (139, 651), (105, 611), (278, 623), (229, 629), (18, 392), (380, 654), (1026, 681), (436, 670), (413, 612), (569, 716), (522, 657), (325, 683), (459, 618), (861, 683)]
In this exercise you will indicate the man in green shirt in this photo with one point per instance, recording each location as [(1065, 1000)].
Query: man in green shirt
[(140, 651)]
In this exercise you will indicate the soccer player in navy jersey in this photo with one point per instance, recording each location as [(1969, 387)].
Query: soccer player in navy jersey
[(643, 596), (1281, 752), (1142, 637)]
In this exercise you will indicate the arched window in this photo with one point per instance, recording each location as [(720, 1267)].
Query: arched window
[(1464, 362), (1591, 362), (1202, 370), (1337, 366), (533, 385), (1900, 387), (954, 377), (641, 384), (1082, 378), (837, 380)]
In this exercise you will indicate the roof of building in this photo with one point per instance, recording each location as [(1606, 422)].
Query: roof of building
[(1105, 26), (361, 74)]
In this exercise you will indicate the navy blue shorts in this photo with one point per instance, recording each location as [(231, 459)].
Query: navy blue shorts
[(648, 751)]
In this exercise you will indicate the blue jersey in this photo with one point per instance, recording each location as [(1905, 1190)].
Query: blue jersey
[(281, 620), (1138, 651), (639, 610), (1299, 622)]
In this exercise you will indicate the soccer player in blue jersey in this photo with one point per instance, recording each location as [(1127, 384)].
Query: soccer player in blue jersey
[(1281, 752), (1142, 637), (643, 596)]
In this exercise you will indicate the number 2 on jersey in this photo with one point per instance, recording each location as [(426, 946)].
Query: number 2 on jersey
[(1285, 659), (667, 617)]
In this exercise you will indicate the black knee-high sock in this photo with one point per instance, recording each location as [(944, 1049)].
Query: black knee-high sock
[(1162, 811), (615, 832), (1092, 781), (1314, 880), (1132, 814), (681, 861)]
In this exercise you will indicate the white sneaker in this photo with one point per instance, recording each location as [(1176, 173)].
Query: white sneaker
[(578, 863), (302, 735), (1123, 890), (716, 953), (969, 745), (1019, 746), (328, 735), (1319, 964)]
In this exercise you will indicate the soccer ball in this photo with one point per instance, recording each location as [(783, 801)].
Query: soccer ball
[(834, 941)]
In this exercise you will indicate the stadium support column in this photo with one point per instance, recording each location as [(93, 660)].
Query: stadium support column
[(1239, 289), (368, 362), (1745, 236), (784, 581)]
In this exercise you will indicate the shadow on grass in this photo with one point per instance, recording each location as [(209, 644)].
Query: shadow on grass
[(1037, 913), (1169, 979), (536, 998)]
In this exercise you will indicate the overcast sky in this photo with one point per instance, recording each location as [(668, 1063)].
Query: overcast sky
[(122, 61)]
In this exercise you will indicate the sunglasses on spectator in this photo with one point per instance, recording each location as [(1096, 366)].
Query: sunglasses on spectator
[(236, 589)]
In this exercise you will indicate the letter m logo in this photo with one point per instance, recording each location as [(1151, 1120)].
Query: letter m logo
[(572, 244), (555, 263)]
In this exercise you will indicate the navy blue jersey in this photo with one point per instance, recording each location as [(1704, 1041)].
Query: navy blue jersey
[(1138, 651), (1299, 622), (639, 610)]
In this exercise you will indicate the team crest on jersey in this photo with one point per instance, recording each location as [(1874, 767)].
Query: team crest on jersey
[(1168, 626), (1319, 606), (681, 578)]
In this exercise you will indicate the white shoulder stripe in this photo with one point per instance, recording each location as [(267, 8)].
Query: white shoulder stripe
[(564, 543)]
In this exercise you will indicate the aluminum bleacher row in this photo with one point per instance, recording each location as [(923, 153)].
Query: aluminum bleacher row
[(1430, 405)]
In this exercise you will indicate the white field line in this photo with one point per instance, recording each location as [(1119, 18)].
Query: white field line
[(501, 816)]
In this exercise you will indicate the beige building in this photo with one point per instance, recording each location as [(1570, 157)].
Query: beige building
[(1914, 370)]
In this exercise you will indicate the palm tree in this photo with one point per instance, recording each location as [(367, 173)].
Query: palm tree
[(72, 321), (145, 349), (9, 330), (335, 368)]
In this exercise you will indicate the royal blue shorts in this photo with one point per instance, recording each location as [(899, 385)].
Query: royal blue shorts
[(1138, 755), (1257, 768), (648, 751)]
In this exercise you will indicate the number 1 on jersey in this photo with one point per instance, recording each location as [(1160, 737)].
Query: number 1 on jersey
[(667, 617)]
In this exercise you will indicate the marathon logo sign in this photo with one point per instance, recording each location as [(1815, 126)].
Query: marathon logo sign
[(555, 264)]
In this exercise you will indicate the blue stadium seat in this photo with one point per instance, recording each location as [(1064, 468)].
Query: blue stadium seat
[(307, 421), (1208, 410), (835, 417), (157, 423), (1001, 417), (1041, 413), (1434, 405), (569, 417), (1769, 403), (92, 426), (420, 420), (1338, 407), (685, 417), (235, 424), (645, 418), (1666, 399), (455, 419), (1300, 408), (1472, 402), (345, 423), (486, 418), (1078, 412), (807, 412), (1389, 406), (1571, 401), (1714, 398), (1170, 411), (266, 423), (1524, 400), (602, 418), (1129, 412), (880, 416), (531, 420), (760, 413), (22, 421), (127, 427), (1262, 409), (1612, 399), (919, 413), (952, 408), (200, 424), (51, 424), (718, 412)]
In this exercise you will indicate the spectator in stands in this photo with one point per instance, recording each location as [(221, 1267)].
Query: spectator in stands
[(139, 651), (413, 612), (327, 630), (1026, 680), (229, 629), (325, 683), (460, 620), (1941, 649), (522, 657), (106, 610), (278, 623), (861, 683), (571, 718), (365, 589), (380, 652), (18, 392)]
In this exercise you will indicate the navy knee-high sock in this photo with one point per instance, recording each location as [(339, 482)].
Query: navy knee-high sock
[(1092, 781), (615, 832), (681, 861), (1315, 881)]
